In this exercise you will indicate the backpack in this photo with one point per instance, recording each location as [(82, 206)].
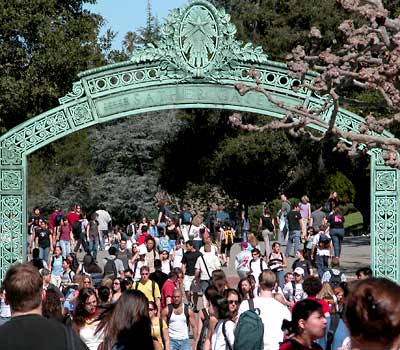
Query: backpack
[(267, 223), (249, 332), (228, 344), (153, 287), (186, 216), (228, 237), (335, 280), (77, 229), (185, 311), (261, 264), (110, 270), (324, 241), (57, 219), (204, 330)]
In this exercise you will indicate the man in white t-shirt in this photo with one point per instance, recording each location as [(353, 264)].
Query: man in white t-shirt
[(272, 312), (205, 265), (104, 219), (257, 264), (293, 290)]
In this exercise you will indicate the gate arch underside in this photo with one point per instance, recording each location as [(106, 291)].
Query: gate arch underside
[(169, 75)]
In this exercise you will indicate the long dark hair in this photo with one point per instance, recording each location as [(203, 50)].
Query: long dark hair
[(90, 265), (127, 323), (80, 312), (220, 303), (240, 289), (51, 307), (301, 311)]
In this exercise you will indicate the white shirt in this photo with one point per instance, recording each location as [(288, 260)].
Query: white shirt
[(178, 255), (218, 340), (299, 293), (272, 313), (178, 328), (103, 218), (256, 268), (242, 261), (212, 263), (214, 249)]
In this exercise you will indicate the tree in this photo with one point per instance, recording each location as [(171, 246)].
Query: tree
[(368, 59), (43, 48)]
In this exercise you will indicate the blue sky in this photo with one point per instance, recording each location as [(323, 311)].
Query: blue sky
[(128, 15)]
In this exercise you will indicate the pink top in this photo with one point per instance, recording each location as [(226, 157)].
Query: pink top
[(305, 210)]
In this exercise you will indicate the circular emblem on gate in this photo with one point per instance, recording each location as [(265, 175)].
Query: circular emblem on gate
[(198, 36)]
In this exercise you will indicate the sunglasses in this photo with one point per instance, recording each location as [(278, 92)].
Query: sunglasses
[(233, 302), (145, 274), (116, 283), (151, 309)]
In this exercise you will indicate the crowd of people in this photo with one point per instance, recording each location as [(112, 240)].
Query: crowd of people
[(145, 293)]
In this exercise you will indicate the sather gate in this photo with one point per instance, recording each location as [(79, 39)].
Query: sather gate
[(195, 65)]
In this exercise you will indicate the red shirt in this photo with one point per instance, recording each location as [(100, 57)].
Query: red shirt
[(72, 217), (166, 292), (142, 238), (291, 344), (324, 304)]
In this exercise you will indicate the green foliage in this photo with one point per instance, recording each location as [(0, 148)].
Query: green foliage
[(342, 185), (280, 25), (44, 44)]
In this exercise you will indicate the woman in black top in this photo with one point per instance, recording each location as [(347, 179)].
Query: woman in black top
[(336, 223), (276, 261)]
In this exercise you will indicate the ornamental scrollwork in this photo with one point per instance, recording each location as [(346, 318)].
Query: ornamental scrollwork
[(77, 92), (11, 179), (81, 114)]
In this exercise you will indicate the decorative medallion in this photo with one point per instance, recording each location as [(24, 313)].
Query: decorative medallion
[(198, 37)]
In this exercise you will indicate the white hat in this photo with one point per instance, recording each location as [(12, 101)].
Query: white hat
[(142, 249), (299, 271)]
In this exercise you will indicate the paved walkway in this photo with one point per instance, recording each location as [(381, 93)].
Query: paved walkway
[(356, 253)]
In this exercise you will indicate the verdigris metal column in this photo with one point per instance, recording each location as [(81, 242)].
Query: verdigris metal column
[(12, 212), (385, 214)]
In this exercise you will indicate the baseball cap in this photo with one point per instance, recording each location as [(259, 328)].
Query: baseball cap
[(299, 271), (244, 245)]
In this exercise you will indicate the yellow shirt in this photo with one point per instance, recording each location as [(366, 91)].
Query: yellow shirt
[(147, 289), (155, 329)]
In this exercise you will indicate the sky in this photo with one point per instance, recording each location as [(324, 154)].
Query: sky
[(128, 15)]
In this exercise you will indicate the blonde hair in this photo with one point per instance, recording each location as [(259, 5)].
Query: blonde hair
[(325, 290), (252, 239), (305, 199)]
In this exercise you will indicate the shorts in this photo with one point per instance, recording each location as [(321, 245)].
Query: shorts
[(226, 248), (190, 284)]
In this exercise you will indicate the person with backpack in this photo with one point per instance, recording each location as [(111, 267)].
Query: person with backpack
[(135, 265), (179, 318), (79, 235), (205, 265), (185, 221), (276, 261), (242, 260), (147, 286), (112, 266), (336, 230), (56, 266), (227, 240), (55, 221), (223, 337), (322, 249), (260, 319), (206, 322), (267, 228), (334, 276), (257, 265), (293, 290)]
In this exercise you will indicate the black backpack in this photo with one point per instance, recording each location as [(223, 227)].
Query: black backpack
[(204, 330), (324, 241), (110, 270), (185, 311), (335, 280)]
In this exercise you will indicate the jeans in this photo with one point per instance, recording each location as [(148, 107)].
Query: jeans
[(244, 235), (337, 235), (197, 244), (44, 253), (294, 236), (280, 275), (66, 247), (177, 344), (94, 245), (267, 235), (322, 263)]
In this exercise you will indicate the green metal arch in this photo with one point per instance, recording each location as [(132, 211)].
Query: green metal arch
[(195, 65)]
